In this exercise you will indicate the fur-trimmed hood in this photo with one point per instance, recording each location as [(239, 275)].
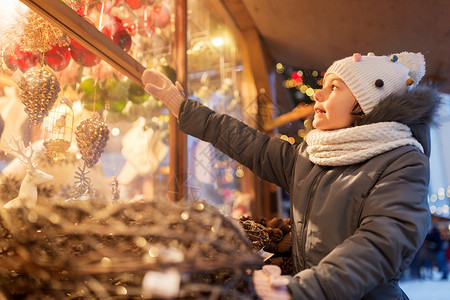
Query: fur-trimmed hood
[(417, 109)]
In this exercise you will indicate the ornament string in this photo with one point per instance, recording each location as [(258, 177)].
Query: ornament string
[(95, 93)]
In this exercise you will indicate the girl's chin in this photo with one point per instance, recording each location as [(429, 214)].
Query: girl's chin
[(316, 123)]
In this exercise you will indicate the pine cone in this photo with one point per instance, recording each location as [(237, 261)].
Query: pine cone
[(286, 265), (92, 135), (245, 218), (278, 261), (285, 244), (275, 234), (262, 221), (271, 247), (39, 90), (256, 233), (286, 228), (275, 222)]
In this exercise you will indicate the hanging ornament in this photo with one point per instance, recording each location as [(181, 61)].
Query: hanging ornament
[(83, 56), (106, 7), (83, 187), (39, 90), (115, 189), (92, 135), (167, 70), (39, 35), (15, 59), (58, 127), (159, 15), (116, 31), (58, 57), (134, 4), (91, 94)]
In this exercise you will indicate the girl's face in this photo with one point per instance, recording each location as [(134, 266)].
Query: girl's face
[(334, 103)]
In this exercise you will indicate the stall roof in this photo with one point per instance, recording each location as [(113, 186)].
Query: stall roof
[(311, 34)]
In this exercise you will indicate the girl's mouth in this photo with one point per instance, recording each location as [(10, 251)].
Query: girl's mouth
[(319, 111)]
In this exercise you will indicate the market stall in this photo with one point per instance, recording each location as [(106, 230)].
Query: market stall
[(101, 195)]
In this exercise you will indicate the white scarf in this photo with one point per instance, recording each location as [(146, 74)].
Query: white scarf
[(356, 144)]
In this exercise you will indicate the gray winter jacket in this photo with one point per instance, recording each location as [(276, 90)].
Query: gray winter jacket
[(355, 228)]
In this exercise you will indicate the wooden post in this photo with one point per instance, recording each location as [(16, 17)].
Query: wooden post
[(256, 59), (177, 140)]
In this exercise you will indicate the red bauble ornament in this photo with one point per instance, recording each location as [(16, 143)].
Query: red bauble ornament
[(144, 27), (159, 15), (134, 4), (107, 6), (23, 60), (130, 25), (117, 32), (83, 56), (58, 57)]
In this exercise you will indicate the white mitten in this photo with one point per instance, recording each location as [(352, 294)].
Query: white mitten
[(158, 85), (270, 285)]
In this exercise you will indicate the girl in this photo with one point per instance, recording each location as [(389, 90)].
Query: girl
[(357, 184)]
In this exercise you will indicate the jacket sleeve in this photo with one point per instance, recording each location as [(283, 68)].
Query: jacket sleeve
[(393, 223), (271, 159)]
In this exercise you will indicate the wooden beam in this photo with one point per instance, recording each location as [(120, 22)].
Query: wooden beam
[(240, 15), (75, 26)]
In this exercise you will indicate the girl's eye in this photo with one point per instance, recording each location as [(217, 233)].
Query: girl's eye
[(333, 87)]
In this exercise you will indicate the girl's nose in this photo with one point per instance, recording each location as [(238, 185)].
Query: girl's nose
[(318, 96)]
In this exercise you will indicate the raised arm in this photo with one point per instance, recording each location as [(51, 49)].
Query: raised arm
[(270, 158)]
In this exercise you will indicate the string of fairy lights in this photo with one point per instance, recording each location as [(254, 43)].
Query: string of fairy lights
[(302, 85)]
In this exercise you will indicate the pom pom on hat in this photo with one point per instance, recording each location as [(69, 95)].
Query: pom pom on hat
[(415, 62), (372, 78)]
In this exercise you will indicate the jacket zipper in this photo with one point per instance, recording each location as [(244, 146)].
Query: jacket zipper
[(312, 193)]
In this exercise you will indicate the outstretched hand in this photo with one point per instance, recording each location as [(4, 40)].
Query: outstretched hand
[(160, 86), (269, 284)]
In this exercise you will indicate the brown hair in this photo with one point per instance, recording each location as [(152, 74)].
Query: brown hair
[(358, 113)]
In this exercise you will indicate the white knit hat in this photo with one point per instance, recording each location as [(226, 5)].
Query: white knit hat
[(372, 78)]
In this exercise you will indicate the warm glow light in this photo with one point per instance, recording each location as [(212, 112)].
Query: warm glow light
[(217, 42), (153, 252), (12, 9), (280, 68), (115, 131), (121, 290), (310, 92)]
